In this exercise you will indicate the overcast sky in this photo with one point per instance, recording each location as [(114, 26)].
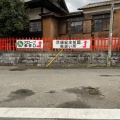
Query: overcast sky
[(74, 4)]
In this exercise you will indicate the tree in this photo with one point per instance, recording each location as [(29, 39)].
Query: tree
[(13, 17)]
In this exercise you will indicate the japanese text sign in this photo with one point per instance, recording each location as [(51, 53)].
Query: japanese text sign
[(71, 44), (30, 44)]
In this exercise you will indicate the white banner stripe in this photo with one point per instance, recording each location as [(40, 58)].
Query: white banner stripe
[(60, 113)]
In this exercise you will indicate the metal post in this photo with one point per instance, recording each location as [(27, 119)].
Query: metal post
[(110, 35)]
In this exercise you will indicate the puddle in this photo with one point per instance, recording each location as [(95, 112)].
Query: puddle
[(73, 104), (84, 94), (18, 69), (84, 91), (70, 119), (18, 95), (51, 92), (109, 75), (106, 75)]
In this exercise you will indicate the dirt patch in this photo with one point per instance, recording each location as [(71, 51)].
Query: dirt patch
[(18, 95)]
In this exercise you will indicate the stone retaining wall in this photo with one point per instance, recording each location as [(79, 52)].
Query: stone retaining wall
[(66, 59)]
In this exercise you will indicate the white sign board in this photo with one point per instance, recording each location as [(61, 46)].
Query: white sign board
[(30, 44), (71, 44)]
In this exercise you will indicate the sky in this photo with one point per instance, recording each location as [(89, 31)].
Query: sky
[(74, 4)]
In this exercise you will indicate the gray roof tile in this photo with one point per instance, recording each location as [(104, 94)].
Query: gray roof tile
[(99, 4)]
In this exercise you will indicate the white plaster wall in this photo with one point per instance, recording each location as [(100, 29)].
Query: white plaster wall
[(45, 10), (34, 13), (27, 0)]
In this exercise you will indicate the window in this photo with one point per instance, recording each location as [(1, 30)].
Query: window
[(101, 22), (35, 26), (97, 25), (77, 25)]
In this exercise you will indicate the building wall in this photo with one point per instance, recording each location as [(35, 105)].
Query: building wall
[(116, 26), (76, 36), (54, 28), (27, 0), (87, 27), (47, 27), (45, 10), (50, 27), (34, 13)]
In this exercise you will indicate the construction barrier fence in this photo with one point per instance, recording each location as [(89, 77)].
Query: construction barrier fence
[(48, 44)]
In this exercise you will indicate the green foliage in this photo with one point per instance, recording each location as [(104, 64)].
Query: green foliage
[(13, 17)]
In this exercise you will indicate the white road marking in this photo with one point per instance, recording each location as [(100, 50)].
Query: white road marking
[(60, 113)]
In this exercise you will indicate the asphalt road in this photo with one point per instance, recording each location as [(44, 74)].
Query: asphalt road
[(59, 88)]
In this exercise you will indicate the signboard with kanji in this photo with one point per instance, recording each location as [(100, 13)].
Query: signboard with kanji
[(71, 44), (30, 44)]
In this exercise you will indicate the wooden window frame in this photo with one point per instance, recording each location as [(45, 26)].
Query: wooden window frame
[(99, 21), (36, 26)]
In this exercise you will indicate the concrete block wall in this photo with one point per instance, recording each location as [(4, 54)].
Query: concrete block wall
[(66, 59)]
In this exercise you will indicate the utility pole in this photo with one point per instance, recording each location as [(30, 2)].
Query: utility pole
[(110, 35)]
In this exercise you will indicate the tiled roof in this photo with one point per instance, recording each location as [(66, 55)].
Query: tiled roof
[(56, 3), (99, 4)]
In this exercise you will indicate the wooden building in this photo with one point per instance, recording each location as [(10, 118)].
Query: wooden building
[(99, 15), (51, 18), (36, 9)]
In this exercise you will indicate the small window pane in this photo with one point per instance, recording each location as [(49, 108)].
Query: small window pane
[(35, 26), (73, 27), (78, 27), (101, 16), (97, 25)]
